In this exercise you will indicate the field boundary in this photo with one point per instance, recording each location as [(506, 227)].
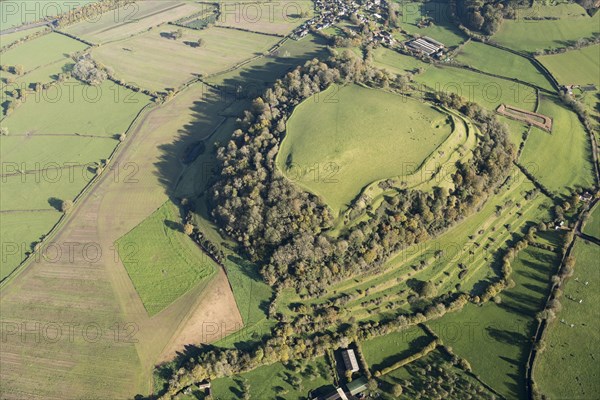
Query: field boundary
[(65, 216)]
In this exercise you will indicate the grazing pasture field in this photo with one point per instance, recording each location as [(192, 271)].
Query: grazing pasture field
[(10, 38), (496, 61), (442, 29), (273, 381), (75, 108), (42, 51), (561, 160), (489, 92), (350, 136), (571, 352), (39, 152), (395, 62), (163, 262), (549, 34), (132, 19), (383, 351), (592, 226), (156, 62), (496, 338), (43, 190), (575, 67), (278, 18), (19, 232)]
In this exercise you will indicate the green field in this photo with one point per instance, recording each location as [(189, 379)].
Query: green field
[(350, 136), (132, 19), (487, 91), (272, 381), (40, 152), (155, 62), (18, 13), (495, 338), (549, 34), (42, 51), (561, 160), (592, 226), (568, 367), (575, 67), (383, 351), (42, 189), (395, 62), (442, 29), (18, 232), (162, 262), (496, 61), (10, 38), (86, 106)]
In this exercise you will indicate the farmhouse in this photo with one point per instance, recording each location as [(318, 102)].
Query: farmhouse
[(350, 360), (426, 45)]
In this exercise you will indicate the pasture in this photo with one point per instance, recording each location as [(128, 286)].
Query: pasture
[(87, 108), (549, 34), (336, 145), (495, 338), (571, 352), (592, 226), (395, 62), (489, 92), (40, 152), (162, 262), (42, 51), (10, 38), (274, 381), (19, 232), (278, 18), (575, 67), (383, 351), (500, 62), (43, 189), (132, 19), (561, 160), (441, 29), (156, 62)]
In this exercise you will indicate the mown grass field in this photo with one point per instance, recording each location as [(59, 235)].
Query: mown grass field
[(162, 262), (276, 18), (561, 160), (496, 61), (489, 92), (549, 34), (442, 28), (88, 109), (571, 353), (496, 338), (18, 232), (273, 381), (132, 19), (156, 62), (42, 51), (348, 137), (575, 67)]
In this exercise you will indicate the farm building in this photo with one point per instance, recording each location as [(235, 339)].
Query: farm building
[(426, 45), (357, 386), (350, 360)]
